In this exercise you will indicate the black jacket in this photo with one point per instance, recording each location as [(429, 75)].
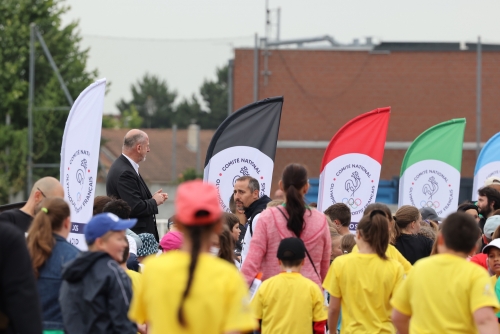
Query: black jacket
[(123, 183), (414, 246), (19, 303), (95, 296), (254, 209), (18, 218)]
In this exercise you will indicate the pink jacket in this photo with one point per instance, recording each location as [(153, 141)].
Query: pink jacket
[(271, 229)]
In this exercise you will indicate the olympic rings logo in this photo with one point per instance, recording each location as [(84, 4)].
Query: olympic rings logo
[(430, 204), (353, 203)]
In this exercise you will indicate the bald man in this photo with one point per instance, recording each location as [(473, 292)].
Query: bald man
[(22, 218), (124, 182)]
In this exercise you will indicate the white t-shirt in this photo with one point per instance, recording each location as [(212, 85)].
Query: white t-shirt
[(247, 238)]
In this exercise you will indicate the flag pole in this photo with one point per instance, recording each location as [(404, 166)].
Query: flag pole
[(478, 98)]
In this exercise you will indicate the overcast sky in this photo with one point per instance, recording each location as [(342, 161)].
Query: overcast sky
[(184, 41)]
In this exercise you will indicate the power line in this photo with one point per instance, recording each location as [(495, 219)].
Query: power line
[(142, 39)]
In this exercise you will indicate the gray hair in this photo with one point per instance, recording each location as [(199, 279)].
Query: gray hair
[(132, 141), (253, 184)]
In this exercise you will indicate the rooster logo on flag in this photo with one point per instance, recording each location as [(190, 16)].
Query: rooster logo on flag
[(351, 185)]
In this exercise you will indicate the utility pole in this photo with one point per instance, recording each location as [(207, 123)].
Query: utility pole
[(478, 98), (35, 34), (7, 153), (230, 87), (31, 95), (151, 108), (278, 24), (256, 69), (198, 151), (174, 153)]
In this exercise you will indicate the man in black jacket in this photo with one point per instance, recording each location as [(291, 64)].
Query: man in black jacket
[(246, 196), (124, 182), (19, 303), (43, 188)]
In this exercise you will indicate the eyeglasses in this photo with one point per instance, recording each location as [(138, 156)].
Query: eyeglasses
[(41, 192)]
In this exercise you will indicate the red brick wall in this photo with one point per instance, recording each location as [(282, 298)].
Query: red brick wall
[(325, 89)]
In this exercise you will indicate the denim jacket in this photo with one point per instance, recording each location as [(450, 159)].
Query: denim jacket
[(49, 282)]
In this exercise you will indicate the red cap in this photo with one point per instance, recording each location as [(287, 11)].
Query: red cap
[(193, 197)]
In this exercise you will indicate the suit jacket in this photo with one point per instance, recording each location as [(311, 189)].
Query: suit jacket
[(124, 183)]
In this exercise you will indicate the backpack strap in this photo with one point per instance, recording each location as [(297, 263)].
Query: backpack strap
[(307, 253), (250, 222)]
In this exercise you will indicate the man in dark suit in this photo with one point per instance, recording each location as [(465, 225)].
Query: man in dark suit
[(124, 182)]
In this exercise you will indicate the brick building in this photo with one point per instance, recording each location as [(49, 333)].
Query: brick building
[(424, 83)]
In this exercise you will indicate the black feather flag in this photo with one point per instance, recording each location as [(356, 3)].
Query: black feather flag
[(244, 144)]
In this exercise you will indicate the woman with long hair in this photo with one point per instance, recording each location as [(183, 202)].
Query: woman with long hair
[(204, 294), (49, 251), (412, 245), (291, 219)]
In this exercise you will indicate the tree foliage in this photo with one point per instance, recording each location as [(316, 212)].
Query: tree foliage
[(130, 119), (215, 95), (64, 45), (153, 101), (152, 93)]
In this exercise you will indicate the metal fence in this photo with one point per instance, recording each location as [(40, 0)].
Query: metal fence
[(162, 225)]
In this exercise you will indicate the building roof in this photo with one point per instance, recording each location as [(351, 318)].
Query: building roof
[(158, 165), (433, 46)]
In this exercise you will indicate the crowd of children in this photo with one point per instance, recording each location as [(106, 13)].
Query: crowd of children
[(380, 279)]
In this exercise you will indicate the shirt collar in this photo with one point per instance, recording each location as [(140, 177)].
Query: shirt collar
[(134, 164)]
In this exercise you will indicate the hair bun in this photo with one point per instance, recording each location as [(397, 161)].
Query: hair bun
[(376, 212)]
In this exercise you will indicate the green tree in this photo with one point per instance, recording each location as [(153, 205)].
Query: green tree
[(153, 100), (130, 118), (187, 112), (110, 122), (64, 45), (214, 93)]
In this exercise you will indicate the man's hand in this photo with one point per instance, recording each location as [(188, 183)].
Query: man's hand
[(160, 197)]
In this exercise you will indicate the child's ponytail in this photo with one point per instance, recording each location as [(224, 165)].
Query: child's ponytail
[(40, 238), (374, 229), (196, 234)]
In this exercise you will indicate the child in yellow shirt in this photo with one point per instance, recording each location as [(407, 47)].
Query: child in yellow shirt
[(462, 300), (191, 291), (288, 302), (363, 282)]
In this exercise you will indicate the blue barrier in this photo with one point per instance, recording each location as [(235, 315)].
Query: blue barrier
[(388, 190)]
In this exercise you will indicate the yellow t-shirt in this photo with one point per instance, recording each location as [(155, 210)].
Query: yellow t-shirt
[(136, 279), (393, 253), (289, 303), (442, 292), (217, 301), (365, 284)]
